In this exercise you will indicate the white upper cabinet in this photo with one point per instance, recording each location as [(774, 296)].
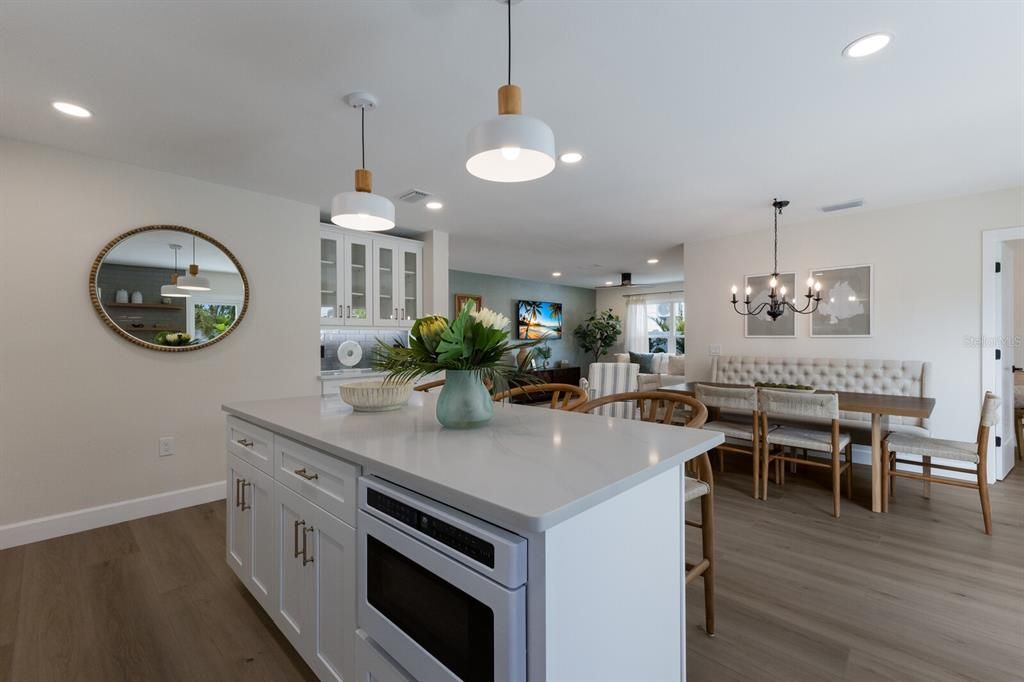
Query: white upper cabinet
[(369, 281)]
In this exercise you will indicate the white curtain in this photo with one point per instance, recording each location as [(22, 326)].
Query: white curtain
[(636, 325)]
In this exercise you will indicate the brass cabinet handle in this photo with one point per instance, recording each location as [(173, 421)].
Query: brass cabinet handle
[(403, 314), (245, 443), (244, 505), (295, 536), (348, 308), (305, 559), (238, 496), (395, 316), (306, 475)]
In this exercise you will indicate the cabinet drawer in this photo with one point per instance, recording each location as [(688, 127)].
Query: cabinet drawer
[(251, 444), (327, 481), (373, 665)]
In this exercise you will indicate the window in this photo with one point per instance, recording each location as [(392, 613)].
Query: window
[(666, 327), (212, 319)]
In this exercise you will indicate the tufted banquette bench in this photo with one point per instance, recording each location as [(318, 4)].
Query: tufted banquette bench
[(889, 377)]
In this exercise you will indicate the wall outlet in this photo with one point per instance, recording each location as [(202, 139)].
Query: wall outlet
[(714, 350), (166, 446)]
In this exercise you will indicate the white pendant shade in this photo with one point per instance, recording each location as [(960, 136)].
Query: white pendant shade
[(172, 291), (193, 283), (363, 211), (510, 148)]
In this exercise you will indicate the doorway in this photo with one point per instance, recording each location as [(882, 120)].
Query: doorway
[(1002, 338)]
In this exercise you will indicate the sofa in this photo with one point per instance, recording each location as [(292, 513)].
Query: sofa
[(668, 369), (891, 377)]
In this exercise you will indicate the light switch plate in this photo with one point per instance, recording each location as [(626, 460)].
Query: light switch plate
[(714, 350), (166, 446)]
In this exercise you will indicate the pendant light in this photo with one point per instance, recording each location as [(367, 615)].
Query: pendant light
[(172, 290), (192, 281), (511, 147), (362, 209)]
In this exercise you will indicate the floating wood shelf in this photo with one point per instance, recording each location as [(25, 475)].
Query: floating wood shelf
[(146, 306)]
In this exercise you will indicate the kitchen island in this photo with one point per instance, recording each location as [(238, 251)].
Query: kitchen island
[(592, 505)]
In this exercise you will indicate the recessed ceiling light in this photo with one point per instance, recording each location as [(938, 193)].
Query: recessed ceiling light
[(434, 205), (72, 109), (556, 274), (571, 157), (652, 261), (867, 45)]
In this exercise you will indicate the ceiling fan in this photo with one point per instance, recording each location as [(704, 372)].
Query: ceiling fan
[(625, 283)]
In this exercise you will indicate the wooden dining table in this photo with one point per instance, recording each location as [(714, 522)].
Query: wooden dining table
[(878, 405)]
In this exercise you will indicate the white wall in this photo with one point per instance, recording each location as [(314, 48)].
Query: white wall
[(80, 408), (1018, 298), (927, 260), (616, 300)]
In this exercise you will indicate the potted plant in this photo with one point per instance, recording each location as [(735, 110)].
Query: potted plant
[(470, 349), (599, 332), (543, 352)]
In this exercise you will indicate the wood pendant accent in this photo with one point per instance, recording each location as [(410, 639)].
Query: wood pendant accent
[(510, 100), (364, 180), (193, 269)]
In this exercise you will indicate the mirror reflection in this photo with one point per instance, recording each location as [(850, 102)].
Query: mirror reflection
[(170, 289)]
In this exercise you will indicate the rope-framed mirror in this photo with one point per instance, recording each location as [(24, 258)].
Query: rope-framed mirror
[(169, 288)]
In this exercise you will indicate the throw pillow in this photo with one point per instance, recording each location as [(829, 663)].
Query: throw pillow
[(677, 365), (645, 360)]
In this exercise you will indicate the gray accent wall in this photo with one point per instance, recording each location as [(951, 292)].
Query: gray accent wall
[(501, 294)]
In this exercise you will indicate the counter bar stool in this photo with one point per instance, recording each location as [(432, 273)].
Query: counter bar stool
[(661, 406), (563, 396), (737, 427), (794, 405), (926, 448)]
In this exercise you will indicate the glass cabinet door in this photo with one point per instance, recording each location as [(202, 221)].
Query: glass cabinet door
[(384, 284), (330, 297), (357, 280), (411, 286)]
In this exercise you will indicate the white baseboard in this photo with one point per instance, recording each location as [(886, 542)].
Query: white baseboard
[(34, 530)]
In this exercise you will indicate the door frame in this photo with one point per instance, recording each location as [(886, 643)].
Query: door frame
[(991, 338)]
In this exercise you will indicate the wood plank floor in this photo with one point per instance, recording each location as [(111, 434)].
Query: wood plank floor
[(918, 594)]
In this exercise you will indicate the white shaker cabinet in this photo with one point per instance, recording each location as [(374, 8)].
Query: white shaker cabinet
[(251, 550), (316, 596)]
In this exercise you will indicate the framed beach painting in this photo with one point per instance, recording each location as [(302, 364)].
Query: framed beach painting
[(460, 300), (538, 320), (761, 326), (847, 299)]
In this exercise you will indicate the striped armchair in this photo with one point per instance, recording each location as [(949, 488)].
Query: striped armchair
[(606, 378)]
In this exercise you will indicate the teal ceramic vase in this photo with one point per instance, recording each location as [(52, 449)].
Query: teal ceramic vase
[(464, 402)]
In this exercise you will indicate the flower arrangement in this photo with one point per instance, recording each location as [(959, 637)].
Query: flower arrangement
[(476, 340), (470, 350), (173, 339)]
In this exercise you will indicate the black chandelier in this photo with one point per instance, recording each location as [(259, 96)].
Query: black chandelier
[(777, 302)]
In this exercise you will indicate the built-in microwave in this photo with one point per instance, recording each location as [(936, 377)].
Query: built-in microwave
[(442, 592)]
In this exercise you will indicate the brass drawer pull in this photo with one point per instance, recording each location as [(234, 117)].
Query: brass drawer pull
[(295, 536), (306, 475), (245, 443), (245, 506), (305, 559), (238, 495)]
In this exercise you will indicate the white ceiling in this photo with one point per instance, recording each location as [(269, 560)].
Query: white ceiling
[(692, 115)]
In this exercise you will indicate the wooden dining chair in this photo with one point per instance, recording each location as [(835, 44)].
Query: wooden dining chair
[(661, 406), (740, 424), (962, 451), (425, 388), (563, 396), (796, 405)]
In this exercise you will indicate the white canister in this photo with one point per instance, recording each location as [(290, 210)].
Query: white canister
[(121, 296), (136, 297)]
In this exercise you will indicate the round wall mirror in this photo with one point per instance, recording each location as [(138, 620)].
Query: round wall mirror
[(169, 288)]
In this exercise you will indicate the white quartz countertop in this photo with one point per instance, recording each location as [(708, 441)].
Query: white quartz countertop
[(528, 470)]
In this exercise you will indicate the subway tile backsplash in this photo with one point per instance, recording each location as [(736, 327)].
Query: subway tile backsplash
[(330, 339)]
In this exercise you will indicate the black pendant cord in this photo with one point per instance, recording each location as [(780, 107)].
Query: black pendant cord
[(362, 132), (175, 261), (778, 210), (509, 3)]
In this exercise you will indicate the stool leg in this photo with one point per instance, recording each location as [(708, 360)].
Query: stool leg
[(755, 454), (986, 509), (887, 479), (849, 471), (707, 532), (835, 482), (926, 469)]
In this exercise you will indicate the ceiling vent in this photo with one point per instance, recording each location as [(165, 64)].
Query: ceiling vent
[(856, 203), (414, 196)]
